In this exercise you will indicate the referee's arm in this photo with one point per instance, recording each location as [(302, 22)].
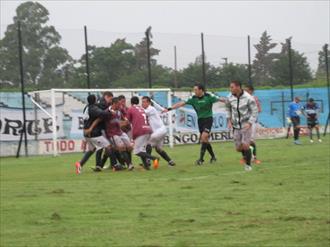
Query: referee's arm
[(175, 106)]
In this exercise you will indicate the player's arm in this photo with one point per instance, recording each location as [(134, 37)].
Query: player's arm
[(228, 110), (101, 114), (254, 112), (88, 131), (175, 106)]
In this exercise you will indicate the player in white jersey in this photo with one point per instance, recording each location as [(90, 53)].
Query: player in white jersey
[(158, 130)]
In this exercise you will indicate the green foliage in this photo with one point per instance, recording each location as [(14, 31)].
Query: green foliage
[(44, 60), (282, 202)]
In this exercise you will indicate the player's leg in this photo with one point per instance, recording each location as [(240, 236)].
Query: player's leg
[(90, 150), (310, 131), (317, 128), (128, 150), (99, 143), (246, 140), (140, 150), (157, 140), (296, 129)]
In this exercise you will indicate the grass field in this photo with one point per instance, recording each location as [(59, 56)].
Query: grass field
[(283, 202)]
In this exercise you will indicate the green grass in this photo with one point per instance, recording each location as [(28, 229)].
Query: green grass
[(283, 202)]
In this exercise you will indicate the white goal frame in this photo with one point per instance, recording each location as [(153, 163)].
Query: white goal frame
[(52, 114)]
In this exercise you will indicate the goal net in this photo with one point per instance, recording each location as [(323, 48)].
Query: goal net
[(58, 116)]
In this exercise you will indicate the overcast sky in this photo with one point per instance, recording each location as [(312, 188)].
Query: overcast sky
[(225, 24)]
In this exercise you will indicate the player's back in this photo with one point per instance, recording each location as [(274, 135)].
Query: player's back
[(139, 120)]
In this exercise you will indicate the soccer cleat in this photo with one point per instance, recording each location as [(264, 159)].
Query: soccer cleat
[(156, 163), (213, 160), (97, 169), (130, 167), (78, 168), (199, 162), (311, 141), (171, 163), (256, 161), (247, 168), (297, 142), (320, 140)]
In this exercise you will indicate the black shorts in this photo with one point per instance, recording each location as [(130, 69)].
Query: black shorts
[(311, 123), (205, 124), (295, 121)]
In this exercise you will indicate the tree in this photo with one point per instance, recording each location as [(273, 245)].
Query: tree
[(140, 51), (280, 68), (231, 71), (262, 64), (44, 59), (321, 69)]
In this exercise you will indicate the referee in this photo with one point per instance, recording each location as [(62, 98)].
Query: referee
[(202, 102)]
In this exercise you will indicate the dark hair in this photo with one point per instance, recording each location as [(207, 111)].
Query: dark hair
[(135, 100), (108, 93), (147, 98), (200, 86), (310, 100), (120, 97), (250, 87), (236, 83), (91, 99), (115, 100)]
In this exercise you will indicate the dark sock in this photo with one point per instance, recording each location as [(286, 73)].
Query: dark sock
[(98, 157), (111, 154), (318, 134), (243, 154), (163, 154), (210, 150), (119, 157), (254, 149), (86, 157), (125, 157), (147, 156), (148, 149), (248, 156), (203, 149), (104, 158), (296, 133), (311, 133)]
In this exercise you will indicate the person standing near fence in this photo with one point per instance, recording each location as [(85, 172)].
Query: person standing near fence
[(294, 113), (312, 111)]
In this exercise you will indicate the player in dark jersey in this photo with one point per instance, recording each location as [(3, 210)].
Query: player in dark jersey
[(202, 102), (311, 111), (141, 131)]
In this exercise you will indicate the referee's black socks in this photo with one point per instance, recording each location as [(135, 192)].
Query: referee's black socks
[(203, 149), (210, 150)]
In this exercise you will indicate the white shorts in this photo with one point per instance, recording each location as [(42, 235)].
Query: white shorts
[(254, 132), (121, 141), (157, 137), (96, 143), (140, 143)]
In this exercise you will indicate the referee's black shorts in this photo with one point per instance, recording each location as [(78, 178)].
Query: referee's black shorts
[(205, 124)]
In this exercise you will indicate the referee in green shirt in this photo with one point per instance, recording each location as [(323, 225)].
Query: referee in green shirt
[(202, 102)]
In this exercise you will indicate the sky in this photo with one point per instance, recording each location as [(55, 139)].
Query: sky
[(225, 25)]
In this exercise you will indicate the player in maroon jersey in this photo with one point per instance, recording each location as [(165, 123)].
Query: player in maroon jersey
[(141, 131), (116, 136)]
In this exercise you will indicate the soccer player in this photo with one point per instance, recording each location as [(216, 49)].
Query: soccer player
[(242, 113), (250, 90), (158, 130), (117, 137), (94, 139), (311, 110), (141, 131), (294, 113), (202, 102)]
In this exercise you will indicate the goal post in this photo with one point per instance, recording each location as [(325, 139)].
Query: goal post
[(61, 105)]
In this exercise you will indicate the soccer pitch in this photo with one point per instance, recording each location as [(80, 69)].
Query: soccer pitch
[(282, 202)]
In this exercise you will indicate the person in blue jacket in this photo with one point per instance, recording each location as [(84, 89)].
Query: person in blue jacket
[(294, 113)]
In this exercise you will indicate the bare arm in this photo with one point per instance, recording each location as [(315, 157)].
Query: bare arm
[(88, 131)]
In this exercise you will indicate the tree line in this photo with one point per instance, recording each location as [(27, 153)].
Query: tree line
[(123, 64)]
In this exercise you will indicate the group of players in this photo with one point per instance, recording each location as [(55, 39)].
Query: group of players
[(113, 130)]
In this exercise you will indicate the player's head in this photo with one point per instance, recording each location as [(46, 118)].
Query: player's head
[(91, 99), (115, 103), (250, 89), (146, 101), (311, 101), (135, 100), (297, 99), (199, 89), (235, 87), (122, 100), (108, 97)]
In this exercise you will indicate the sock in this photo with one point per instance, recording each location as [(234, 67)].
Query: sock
[(243, 154), (163, 154), (125, 157), (148, 149), (311, 133), (210, 150), (318, 134), (110, 154), (248, 156), (119, 157), (203, 149), (146, 155), (98, 157), (254, 149), (296, 133), (86, 157)]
